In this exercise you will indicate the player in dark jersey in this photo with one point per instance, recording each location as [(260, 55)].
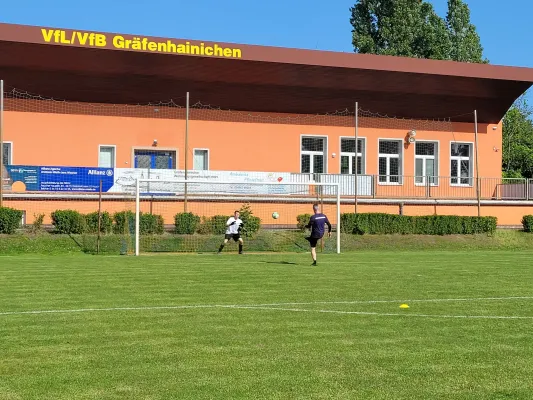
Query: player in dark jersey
[(317, 224)]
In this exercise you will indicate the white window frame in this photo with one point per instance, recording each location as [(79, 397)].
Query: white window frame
[(351, 155), (114, 154), (208, 157), (389, 156), (458, 158), (436, 157), (324, 153), (10, 161)]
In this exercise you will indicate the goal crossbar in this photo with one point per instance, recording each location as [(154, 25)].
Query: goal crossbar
[(191, 181)]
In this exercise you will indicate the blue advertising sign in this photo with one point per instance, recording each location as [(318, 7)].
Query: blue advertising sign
[(26, 178), (60, 179)]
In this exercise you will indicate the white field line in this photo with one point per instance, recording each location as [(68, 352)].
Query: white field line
[(272, 306), (405, 314)]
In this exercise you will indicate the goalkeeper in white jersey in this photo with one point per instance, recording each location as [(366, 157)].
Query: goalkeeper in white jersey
[(234, 226)]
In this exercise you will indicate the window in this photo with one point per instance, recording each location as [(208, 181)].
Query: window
[(106, 157), (8, 153), (426, 163), (155, 159), (313, 155), (390, 162), (461, 164), (201, 159), (348, 156)]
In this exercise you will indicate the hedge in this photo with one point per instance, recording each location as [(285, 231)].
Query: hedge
[(148, 223), (151, 224), (215, 225), (124, 222), (69, 222), (302, 221), (250, 221), (10, 220), (527, 223), (186, 223), (378, 223), (106, 222)]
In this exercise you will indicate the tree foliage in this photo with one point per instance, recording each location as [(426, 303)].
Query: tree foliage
[(517, 146), (411, 28), (464, 39)]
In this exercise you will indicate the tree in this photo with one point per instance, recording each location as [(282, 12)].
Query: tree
[(411, 28), (465, 41), (408, 28), (517, 145)]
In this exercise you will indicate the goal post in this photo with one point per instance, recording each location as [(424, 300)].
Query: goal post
[(274, 215)]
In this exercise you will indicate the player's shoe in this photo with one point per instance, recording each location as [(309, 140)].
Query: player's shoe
[(314, 264)]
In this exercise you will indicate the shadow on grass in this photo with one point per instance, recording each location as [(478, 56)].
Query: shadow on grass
[(280, 262)]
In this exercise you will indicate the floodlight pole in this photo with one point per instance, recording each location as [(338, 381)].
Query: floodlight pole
[(478, 189), (1, 143), (186, 153), (356, 149)]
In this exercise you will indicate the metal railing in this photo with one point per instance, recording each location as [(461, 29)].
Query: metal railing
[(428, 187)]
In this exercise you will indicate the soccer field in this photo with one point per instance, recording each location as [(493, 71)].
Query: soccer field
[(268, 326)]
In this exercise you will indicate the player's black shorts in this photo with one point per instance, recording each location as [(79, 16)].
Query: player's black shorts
[(313, 241), (234, 236)]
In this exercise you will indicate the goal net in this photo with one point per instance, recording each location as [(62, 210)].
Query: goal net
[(179, 216)]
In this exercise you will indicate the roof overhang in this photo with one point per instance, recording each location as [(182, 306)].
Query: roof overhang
[(53, 62)]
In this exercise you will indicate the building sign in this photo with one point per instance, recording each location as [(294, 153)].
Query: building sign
[(58, 179), (126, 178), (123, 180), (137, 43)]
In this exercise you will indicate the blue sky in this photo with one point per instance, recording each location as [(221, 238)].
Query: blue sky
[(505, 27)]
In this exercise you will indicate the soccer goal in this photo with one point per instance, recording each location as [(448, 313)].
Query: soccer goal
[(178, 216)]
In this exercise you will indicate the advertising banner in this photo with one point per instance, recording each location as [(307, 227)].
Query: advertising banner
[(125, 179), (24, 178)]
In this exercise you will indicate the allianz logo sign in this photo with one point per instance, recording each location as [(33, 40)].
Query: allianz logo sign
[(108, 172)]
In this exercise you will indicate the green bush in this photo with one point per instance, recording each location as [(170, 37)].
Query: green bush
[(379, 223), (302, 221), (151, 224), (68, 222), (527, 222), (124, 223), (186, 223), (213, 225), (37, 225), (250, 221), (106, 222), (349, 221), (10, 220)]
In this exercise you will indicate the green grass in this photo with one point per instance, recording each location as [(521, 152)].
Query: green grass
[(265, 241), (314, 350)]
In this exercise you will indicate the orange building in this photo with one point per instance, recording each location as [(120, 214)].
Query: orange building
[(254, 108)]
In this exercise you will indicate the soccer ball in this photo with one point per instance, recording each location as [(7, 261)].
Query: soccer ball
[(275, 215)]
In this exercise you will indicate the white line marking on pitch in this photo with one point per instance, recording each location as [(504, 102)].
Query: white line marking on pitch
[(384, 314), (274, 306), (403, 301)]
